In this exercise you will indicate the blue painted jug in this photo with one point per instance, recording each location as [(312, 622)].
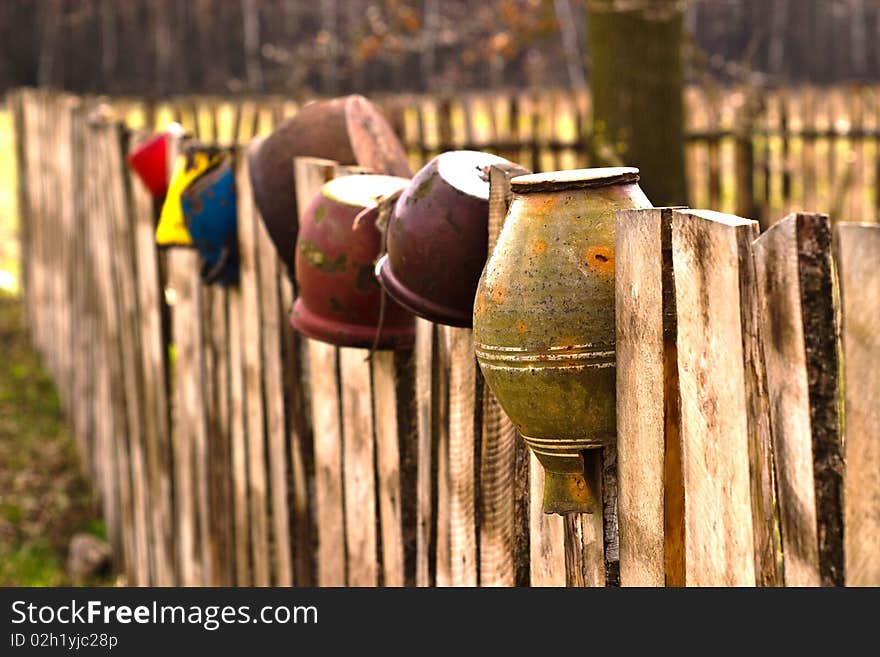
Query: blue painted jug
[(209, 210)]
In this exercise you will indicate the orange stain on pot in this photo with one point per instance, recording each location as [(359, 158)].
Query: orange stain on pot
[(498, 294), (600, 259), (539, 247), (521, 327), (480, 304)]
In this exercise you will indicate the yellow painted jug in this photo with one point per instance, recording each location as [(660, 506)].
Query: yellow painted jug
[(172, 229)]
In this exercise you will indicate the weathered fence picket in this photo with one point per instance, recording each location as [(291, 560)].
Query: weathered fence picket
[(646, 411), (226, 449), (858, 248), (707, 256), (793, 261)]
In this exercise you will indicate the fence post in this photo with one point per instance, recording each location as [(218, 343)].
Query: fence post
[(153, 356), (858, 252), (503, 489), (310, 174), (793, 262), (299, 430), (121, 245), (238, 438), (651, 500), (424, 357), (389, 465), (253, 380), (463, 392), (744, 165), (707, 248)]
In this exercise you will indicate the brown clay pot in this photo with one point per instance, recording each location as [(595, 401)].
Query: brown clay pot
[(438, 236), (340, 301), (349, 130), (544, 320)]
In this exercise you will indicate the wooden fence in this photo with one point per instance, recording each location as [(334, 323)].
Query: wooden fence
[(227, 449)]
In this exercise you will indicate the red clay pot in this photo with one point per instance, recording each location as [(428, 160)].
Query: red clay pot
[(349, 130), (339, 298), (438, 236)]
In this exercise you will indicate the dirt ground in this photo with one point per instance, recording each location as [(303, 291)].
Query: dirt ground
[(44, 499)]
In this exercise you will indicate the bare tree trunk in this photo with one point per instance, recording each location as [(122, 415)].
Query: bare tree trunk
[(328, 66), (858, 20), (108, 42), (776, 49), (429, 40), (574, 58), (637, 85), (162, 44), (50, 18), (251, 29)]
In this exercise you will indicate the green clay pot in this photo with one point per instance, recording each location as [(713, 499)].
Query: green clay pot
[(544, 320)]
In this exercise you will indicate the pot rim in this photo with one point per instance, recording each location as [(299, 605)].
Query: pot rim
[(553, 181), (415, 303)]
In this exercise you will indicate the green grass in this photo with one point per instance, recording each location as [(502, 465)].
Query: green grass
[(44, 498)]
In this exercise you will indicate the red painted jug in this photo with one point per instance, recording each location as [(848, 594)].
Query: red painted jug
[(149, 161), (340, 300)]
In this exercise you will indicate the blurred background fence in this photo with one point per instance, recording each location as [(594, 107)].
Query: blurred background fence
[(757, 152)]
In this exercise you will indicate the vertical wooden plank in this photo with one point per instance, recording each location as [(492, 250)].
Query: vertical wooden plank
[(358, 468), (499, 486), (221, 523), (299, 429), (323, 363), (442, 482), (153, 350), (547, 535), (744, 165), (719, 541), (522, 512), (424, 356), (258, 493), (793, 263), (111, 402), (188, 421), (858, 252), (641, 403), (96, 387), (609, 523), (204, 454), (761, 477), (388, 464), (66, 190), (238, 441), (80, 288), (583, 534), (499, 491), (122, 247), (462, 449), (276, 429)]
